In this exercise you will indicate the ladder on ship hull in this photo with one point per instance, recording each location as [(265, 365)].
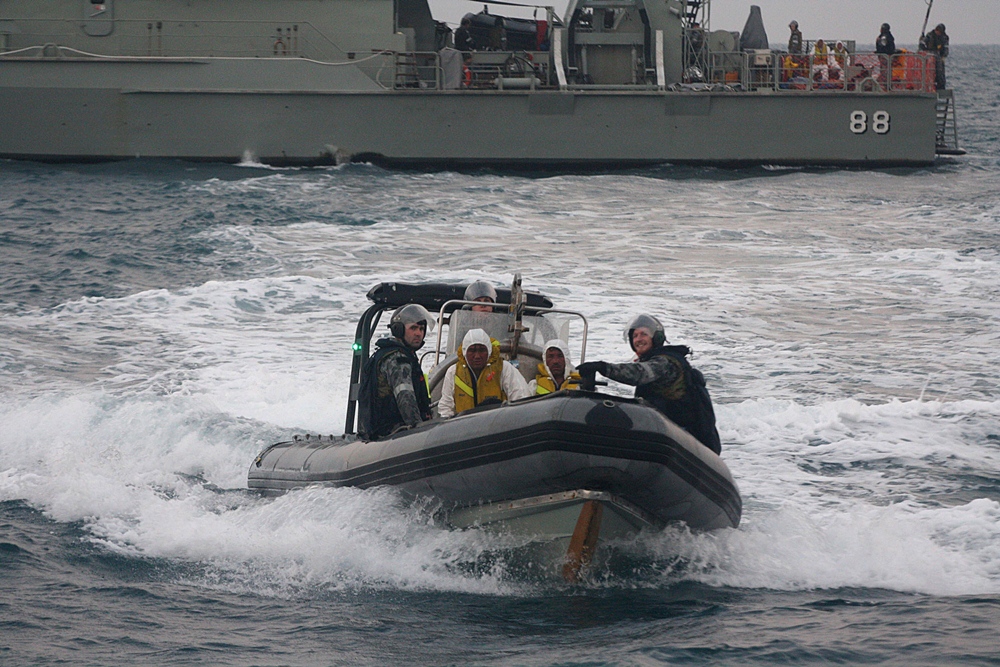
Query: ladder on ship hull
[(946, 141)]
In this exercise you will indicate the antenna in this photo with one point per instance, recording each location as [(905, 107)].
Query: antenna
[(923, 31)]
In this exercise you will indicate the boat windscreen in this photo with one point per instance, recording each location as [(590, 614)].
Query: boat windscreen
[(433, 295), (539, 329)]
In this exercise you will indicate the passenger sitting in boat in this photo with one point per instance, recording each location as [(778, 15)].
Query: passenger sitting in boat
[(662, 375), (481, 291), (393, 390), (820, 50), (840, 55), (821, 61), (556, 372), (479, 376)]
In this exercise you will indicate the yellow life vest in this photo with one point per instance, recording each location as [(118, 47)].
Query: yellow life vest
[(546, 385), (487, 385)]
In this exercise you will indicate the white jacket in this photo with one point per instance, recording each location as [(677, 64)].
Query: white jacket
[(511, 382)]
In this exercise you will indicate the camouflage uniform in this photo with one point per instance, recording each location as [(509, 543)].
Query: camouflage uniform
[(664, 377), (392, 392)]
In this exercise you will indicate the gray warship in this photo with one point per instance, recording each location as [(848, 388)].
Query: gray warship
[(609, 83)]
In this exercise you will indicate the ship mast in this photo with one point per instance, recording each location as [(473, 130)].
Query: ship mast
[(698, 11)]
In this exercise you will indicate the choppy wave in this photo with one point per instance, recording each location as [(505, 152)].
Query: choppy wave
[(837, 493)]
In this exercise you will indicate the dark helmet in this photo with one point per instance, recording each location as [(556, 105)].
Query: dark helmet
[(408, 314), (649, 323), (793, 25), (885, 27), (479, 289), (940, 26)]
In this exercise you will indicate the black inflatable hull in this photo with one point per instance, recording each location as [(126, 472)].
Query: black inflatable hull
[(495, 463)]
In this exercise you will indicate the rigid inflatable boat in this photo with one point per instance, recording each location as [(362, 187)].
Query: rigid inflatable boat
[(569, 468)]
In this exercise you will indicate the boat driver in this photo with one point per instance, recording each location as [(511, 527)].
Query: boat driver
[(555, 372), (393, 390), (480, 376), (662, 375)]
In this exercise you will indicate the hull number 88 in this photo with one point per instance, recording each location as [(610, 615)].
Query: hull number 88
[(879, 122)]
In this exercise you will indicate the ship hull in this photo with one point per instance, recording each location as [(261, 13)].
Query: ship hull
[(300, 113), (530, 464)]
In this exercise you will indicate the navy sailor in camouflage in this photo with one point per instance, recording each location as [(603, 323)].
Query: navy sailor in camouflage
[(393, 392), (662, 375)]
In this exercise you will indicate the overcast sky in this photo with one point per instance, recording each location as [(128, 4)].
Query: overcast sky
[(968, 21)]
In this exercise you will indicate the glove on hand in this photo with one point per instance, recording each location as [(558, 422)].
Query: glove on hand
[(592, 367)]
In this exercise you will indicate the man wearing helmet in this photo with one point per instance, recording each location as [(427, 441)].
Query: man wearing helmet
[(936, 42), (662, 375), (885, 43), (393, 391), (480, 374), (555, 372), (483, 292), (795, 38)]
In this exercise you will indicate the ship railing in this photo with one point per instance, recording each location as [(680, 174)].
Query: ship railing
[(172, 39), (485, 70), (416, 69), (504, 70), (851, 72)]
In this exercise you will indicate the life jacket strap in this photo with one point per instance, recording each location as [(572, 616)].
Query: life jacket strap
[(463, 386)]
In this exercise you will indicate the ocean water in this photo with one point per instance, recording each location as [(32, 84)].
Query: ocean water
[(161, 322)]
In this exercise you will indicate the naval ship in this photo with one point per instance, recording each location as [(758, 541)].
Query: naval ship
[(609, 83)]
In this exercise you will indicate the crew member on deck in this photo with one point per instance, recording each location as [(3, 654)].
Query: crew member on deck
[(556, 372), (463, 38), (885, 43), (479, 376), (936, 42), (393, 389), (662, 375), (795, 39)]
